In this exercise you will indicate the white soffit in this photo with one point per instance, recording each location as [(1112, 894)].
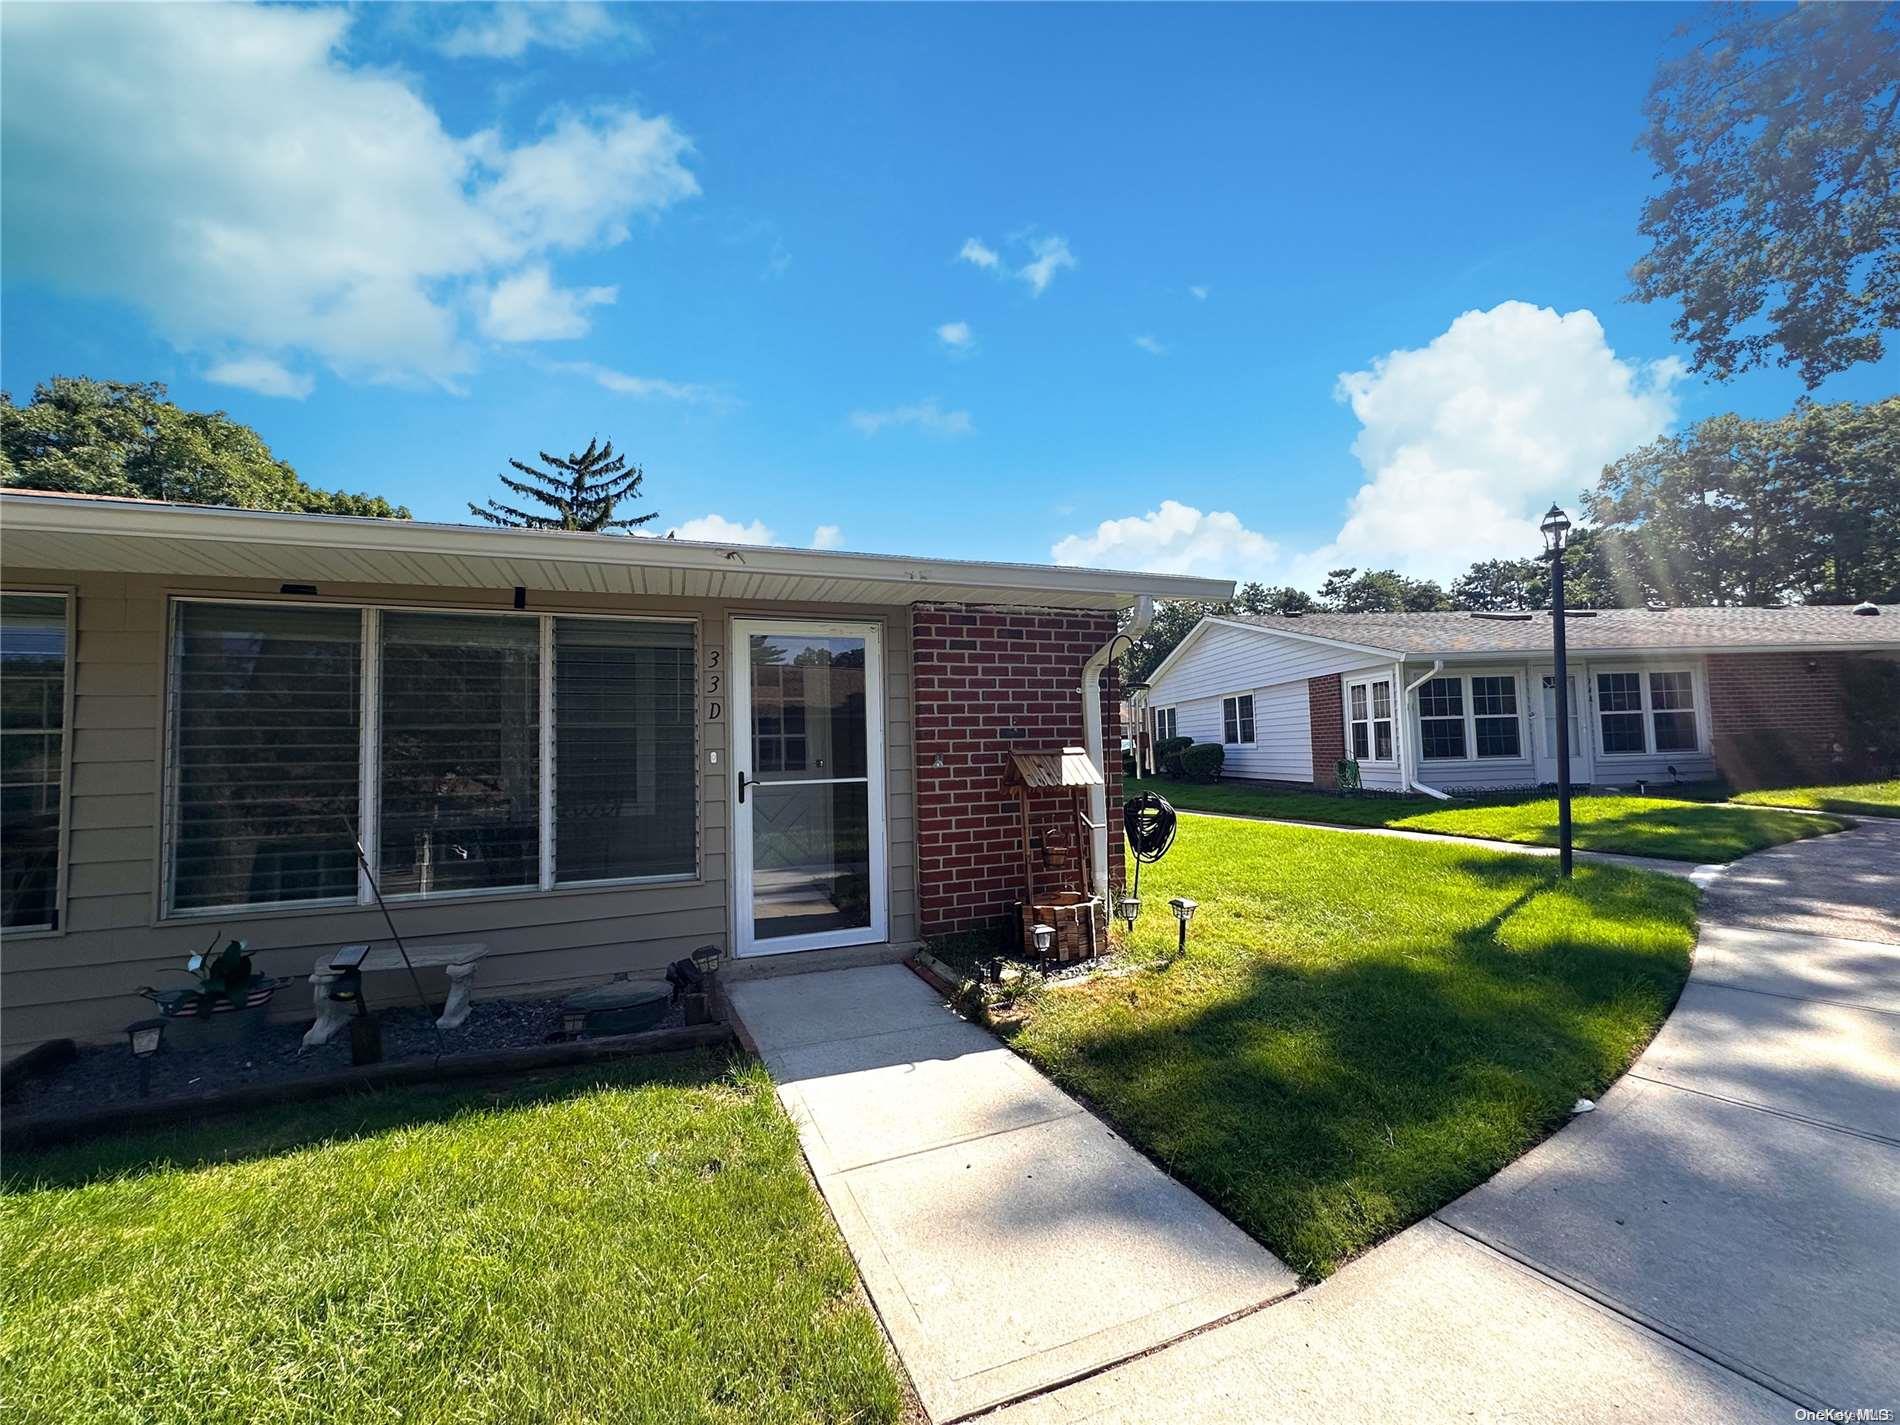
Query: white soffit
[(55, 532)]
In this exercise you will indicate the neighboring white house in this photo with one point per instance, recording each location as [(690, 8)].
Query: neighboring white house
[(1449, 701)]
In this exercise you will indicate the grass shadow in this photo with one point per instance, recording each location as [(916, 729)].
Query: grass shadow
[(267, 1133)]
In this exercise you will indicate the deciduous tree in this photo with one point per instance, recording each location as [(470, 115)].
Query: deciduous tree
[(1776, 138)]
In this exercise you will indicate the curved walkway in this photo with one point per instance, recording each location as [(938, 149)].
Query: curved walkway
[(1718, 1241)]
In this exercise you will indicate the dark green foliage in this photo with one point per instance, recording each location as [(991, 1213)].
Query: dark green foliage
[(1373, 591), (1731, 511), (1168, 752), (127, 440), (1774, 134), (580, 492), (1346, 774), (1128, 762), (1202, 762)]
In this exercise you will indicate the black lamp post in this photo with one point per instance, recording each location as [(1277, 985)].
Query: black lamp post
[(1556, 528)]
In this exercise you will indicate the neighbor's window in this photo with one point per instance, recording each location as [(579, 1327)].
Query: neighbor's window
[(1620, 711), (32, 754), (1237, 719), (1494, 716), (461, 753), (1441, 718), (1672, 711), (625, 792), (266, 733), (1165, 724), (1369, 720)]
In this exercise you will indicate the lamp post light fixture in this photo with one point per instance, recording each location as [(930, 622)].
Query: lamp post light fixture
[(145, 1036), (1045, 937), (1556, 530), (1183, 909)]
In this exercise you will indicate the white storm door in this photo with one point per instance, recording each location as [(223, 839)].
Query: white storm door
[(810, 860), (1544, 740)]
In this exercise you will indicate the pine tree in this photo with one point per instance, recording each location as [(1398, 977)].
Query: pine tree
[(582, 493)]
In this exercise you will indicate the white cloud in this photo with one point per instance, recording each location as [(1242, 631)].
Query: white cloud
[(957, 336), (1051, 255), (1465, 441), (1046, 255), (1174, 539), (1150, 344), (527, 306), (927, 415), (827, 536), (778, 259), (262, 375), (717, 529), (1198, 293), (508, 31), (622, 384), (228, 171), (974, 251)]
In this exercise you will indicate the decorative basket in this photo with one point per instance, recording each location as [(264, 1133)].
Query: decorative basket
[(1080, 923)]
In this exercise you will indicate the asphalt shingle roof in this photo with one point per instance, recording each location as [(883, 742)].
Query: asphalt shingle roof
[(1605, 630)]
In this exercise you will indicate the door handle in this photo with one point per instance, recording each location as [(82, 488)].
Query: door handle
[(742, 787)]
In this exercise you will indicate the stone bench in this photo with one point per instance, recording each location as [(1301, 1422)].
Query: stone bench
[(460, 961)]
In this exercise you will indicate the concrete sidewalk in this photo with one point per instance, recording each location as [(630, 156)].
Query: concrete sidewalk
[(1718, 1241), (1008, 1239)]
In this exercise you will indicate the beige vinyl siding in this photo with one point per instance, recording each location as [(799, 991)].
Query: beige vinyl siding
[(80, 981)]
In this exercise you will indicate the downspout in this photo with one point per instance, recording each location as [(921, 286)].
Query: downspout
[(1092, 736), (1407, 782)]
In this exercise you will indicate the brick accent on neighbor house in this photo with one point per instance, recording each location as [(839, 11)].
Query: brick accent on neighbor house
[(989, 682), (1327, 720), (1775, 718)]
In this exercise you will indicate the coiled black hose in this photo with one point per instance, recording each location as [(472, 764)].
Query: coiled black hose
[(1149, 822)]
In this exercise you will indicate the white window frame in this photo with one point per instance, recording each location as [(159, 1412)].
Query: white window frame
[(1170, 716), (369, 757), (1642, 672), (1243, 722), (68, 596), (1469, 714), (1369, 681)]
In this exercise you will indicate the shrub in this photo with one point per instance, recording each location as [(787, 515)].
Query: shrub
[(1346, 775), (1168, 755), (1128, 762), (1203, 761)]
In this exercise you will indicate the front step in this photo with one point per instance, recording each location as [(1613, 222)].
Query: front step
[(806, 962)]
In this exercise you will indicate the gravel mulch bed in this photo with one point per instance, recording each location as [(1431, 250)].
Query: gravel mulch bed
[(107, 1075)]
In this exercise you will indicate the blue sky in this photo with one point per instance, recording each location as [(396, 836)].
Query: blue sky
[(1242, 291)]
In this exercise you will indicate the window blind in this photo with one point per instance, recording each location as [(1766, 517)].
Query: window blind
[(461, 764), (32, 751), (266, 742), (625, 788)]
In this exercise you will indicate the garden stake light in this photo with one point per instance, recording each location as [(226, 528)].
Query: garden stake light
[(146, 1035), (1183, 909)]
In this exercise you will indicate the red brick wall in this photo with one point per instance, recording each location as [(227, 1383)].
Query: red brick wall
[(1776, 718), (989, 682), (1328, 722)]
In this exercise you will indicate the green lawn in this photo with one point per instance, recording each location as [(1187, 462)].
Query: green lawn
[(1362, 1028), (1638, 826), (1855, 798), (634, 1242)]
